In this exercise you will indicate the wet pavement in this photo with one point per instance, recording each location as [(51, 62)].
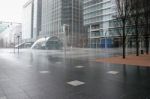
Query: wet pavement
[(51, 75)]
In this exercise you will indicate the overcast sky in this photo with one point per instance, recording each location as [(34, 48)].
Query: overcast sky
[(11, 10)]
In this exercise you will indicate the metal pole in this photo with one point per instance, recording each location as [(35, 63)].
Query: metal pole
[(45, 42), (83, 43), (18, 44), (72, 23), (95, 45), (105, 40), (14, 44), (90, 36), (65, 38)]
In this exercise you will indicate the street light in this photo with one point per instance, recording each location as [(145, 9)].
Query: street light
[(14, 42), (106, 38), (45, 42), (97, 43), (65, 29), (90, 36), (18, 37), (18, 42)]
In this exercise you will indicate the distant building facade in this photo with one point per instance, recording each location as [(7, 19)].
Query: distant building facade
[(31, 20), (27, 29), (37, 18), (98, 16), (9, 36), (56, 13), (4, 25)]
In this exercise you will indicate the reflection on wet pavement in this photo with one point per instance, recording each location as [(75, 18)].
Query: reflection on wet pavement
[(30, 75)]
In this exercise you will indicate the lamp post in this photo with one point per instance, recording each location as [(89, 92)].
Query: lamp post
[(18, 42), (14, 42), (18, 37), (96, 44), (106, 38), (65, 29), (90, 36), (45, 42)]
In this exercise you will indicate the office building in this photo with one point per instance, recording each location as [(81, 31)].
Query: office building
[(56, 13), (27, 29), (10, 34), (98, 16), (31, 21), (37, 15)]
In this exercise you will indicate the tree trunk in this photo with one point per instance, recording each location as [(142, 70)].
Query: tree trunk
[(124, 39), (147, 45), (147, 36), (137, 37), (146, 27)]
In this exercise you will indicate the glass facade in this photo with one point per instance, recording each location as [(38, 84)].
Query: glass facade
[(98, 11), (27, 29), (97, 19), (9, 33), (49, 20), (53, 43), (56, 13), (51, 17), (37, 13), (4, 25)]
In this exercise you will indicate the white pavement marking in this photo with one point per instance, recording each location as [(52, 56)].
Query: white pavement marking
[(3, 97), (75, 83), (79, 66), (6, 79), (44, 72), (58, 63), (113, 72), (29, 65)]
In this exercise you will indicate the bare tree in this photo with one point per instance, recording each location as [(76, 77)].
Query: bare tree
[(123, 13), (135, 16), (146, 11)]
